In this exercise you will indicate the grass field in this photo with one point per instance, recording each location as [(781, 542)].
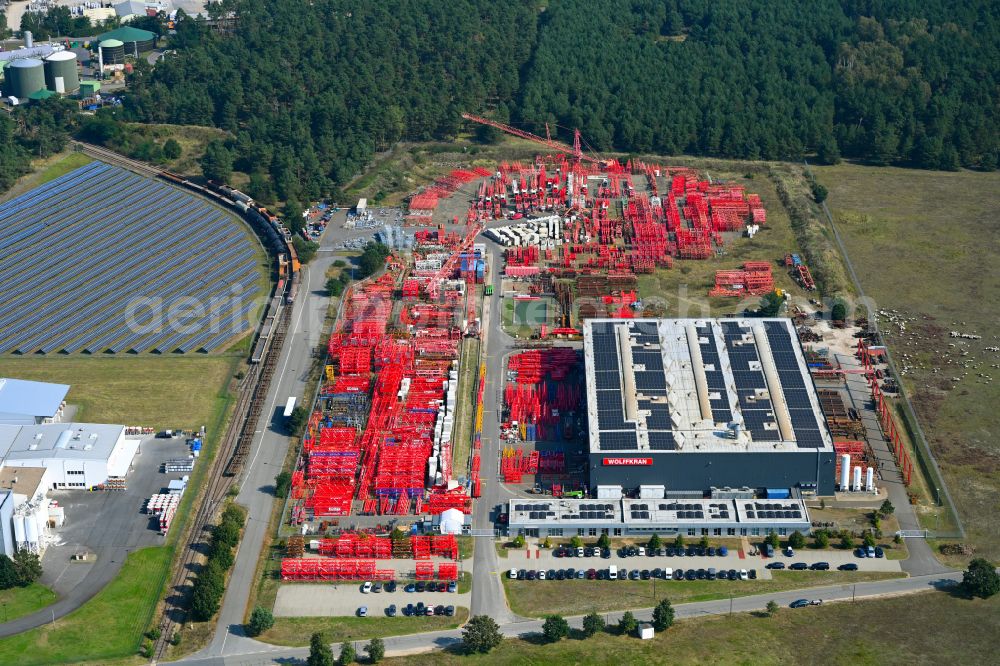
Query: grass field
[(295, 631), (108, 626), (925, 244), (62, 167), (161, 392), (931, 628), (535, 599), (19, 601)]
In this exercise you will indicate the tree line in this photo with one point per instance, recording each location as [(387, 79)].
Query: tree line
[(310, 92)]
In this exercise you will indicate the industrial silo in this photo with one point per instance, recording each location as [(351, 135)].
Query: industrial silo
[(24, 77), (61, 75), (111, 52)]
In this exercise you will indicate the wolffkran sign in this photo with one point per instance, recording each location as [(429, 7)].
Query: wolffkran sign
[(627, 462)]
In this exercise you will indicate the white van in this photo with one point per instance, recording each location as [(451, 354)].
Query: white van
[(668, 573), (613, 572)]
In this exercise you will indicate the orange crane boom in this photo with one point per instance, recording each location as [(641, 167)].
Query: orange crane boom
[(575, 149)]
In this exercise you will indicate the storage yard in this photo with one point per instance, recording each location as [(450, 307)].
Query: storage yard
[(192, 276)]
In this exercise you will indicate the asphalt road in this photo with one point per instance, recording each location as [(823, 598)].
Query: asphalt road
[(258, 654), (271, 442)]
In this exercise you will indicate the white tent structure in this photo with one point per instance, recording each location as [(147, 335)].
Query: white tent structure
[(452, 521)]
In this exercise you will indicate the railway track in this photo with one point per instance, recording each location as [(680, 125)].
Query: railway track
[(112, 157), (233, 451)]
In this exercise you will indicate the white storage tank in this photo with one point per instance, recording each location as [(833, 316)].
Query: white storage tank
[(857, 479), (870, 480), (845, 472), (30, 530), (18, 528)]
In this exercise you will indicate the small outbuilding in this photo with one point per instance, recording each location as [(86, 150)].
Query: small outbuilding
[(646, 631)]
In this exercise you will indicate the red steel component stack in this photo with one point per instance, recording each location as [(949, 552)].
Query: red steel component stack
[(447, 571), (755, 278)]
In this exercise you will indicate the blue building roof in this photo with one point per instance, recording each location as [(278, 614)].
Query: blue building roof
[(22, 401)]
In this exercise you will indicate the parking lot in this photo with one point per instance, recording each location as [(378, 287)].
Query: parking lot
[(344, 598), (539, 559)]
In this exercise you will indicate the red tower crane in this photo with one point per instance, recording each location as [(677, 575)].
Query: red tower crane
[(575, 149)]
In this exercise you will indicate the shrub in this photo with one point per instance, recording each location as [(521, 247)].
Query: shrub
[(261, 620)]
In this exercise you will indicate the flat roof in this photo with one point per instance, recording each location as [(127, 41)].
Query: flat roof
[(24, 398), (700, 385), (22, 480), (72, 441), (666, 512)]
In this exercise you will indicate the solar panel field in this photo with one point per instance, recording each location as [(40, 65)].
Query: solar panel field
[(103, 260)]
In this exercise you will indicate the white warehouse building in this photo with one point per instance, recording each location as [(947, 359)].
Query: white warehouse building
[(74, 455), (25, 402)]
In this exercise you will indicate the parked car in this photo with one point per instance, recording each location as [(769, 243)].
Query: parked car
[(642, 552), (702, 574), (581, 574), (711, 551), (850, 566), (656, 573), (879, 552), (363, 611), (512, 574), (816, 602), (421, 585), (591, 574), (768, 550), (634, 574), (391, 610), (820, 566), (442, 586), (798, 566), (606, 553), (453, 586), (744, 575), (733, 575), (723, 551), (377, 587), (541, 575), (580, 552), (870, 551), (419, 608), (799, 603), (775, 565), (390, 586), (644, 574), (571, 573), (449, 610), (366, 587), (753, 574), (559, 552), (408, 610), (691, 574), (531, 574), (550, 574), (670, 552), (789, 552), (439, 609), (560, 575), (429, 611), (413, 588), (668, 573), (860, 551), (712, 574), (678, 574)]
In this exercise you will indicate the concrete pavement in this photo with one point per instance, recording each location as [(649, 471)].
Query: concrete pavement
[(344, 599), (921, 559)]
